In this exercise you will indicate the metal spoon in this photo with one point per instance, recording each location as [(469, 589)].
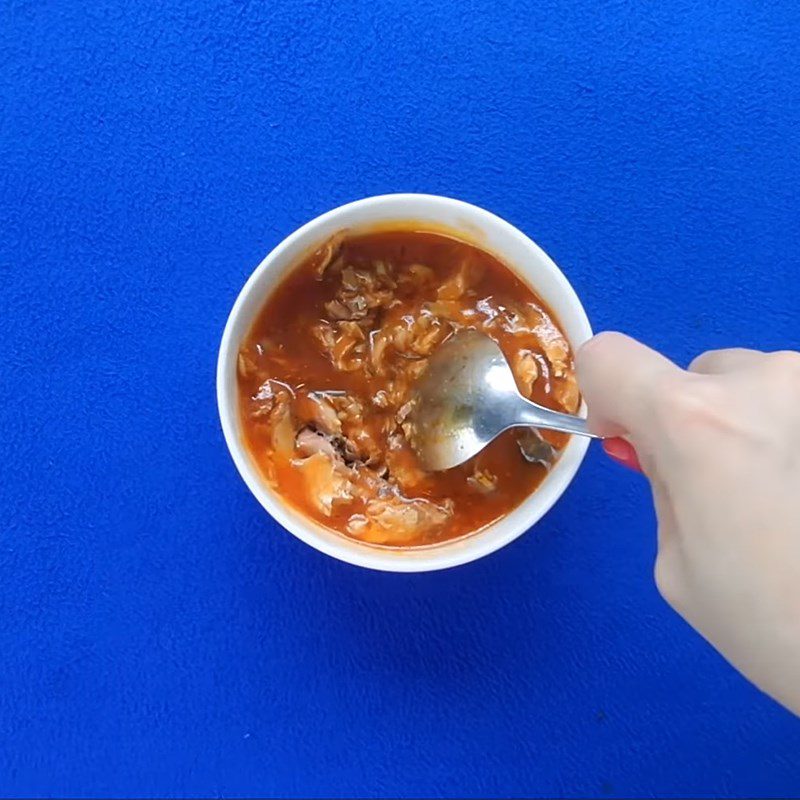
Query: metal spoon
[(466, 397)]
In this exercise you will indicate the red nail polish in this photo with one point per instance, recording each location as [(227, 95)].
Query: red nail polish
[(622, 452)]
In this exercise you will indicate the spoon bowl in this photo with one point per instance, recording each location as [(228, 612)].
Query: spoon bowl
[(466, 397)]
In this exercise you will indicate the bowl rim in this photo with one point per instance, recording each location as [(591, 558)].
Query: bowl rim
[(449, 553)]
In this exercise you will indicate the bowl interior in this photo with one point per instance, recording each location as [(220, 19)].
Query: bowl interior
[(424, 212)]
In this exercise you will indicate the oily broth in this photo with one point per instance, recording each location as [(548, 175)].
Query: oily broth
[(282, 347)]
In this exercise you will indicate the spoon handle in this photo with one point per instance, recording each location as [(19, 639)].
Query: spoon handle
[(540, 417)]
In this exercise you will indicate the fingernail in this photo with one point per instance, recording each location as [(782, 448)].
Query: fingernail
[(623, 453)]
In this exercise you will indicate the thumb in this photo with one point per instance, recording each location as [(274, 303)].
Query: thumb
[(620, 379)]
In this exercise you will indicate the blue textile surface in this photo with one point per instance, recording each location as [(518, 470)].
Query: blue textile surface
[(158, 633)]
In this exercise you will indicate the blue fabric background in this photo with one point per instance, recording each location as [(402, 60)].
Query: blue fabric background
[(158, 633)]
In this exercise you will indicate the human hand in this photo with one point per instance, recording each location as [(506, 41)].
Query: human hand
[(720, 444)]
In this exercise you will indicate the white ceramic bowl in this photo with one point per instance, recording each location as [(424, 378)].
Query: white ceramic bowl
[(476, 225)]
